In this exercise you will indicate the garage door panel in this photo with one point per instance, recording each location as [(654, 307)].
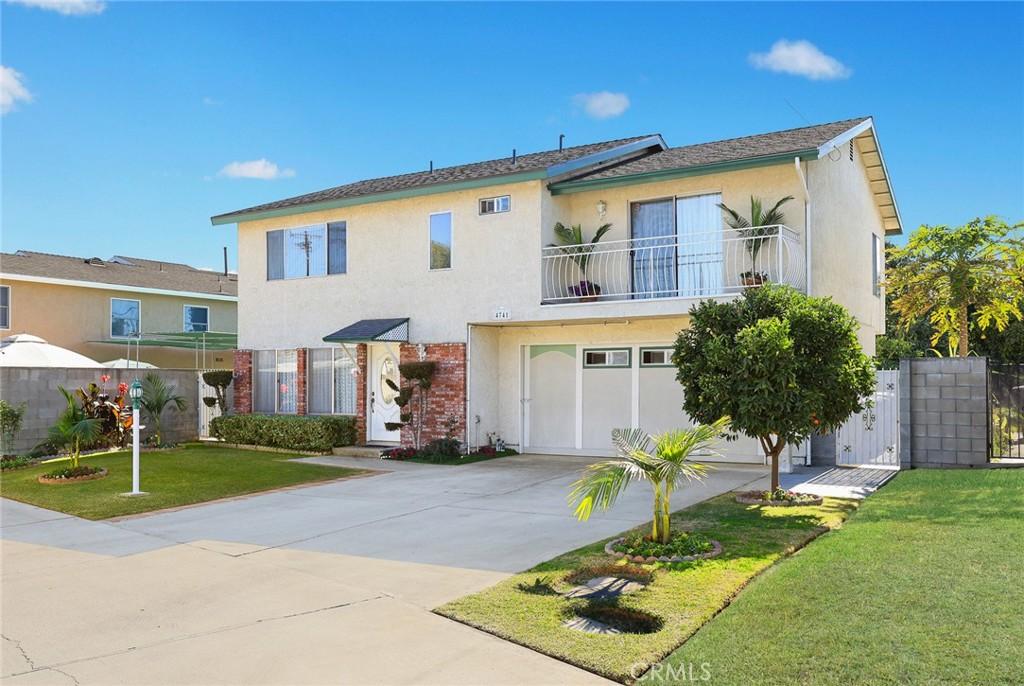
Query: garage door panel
[(607, 405), (552, 405)]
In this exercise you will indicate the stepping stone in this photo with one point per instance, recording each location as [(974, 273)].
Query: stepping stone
[(604, 588), (590, 626)]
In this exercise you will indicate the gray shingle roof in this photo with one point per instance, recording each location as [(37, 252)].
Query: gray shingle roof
[(730, 150), (120, 271), (463, 172)]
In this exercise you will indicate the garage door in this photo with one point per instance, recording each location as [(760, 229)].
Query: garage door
[(606, 387)]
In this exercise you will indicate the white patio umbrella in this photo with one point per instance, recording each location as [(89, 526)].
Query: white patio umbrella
[(122, 363), (25, 350)]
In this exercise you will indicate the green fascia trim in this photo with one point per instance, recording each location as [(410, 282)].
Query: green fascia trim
[(235, 217), (566, 187), (187, 345), (629, 358), (536, 350)]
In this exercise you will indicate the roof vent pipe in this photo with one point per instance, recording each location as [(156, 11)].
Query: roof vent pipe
[(561, 142), (513, 155), (431, 166)]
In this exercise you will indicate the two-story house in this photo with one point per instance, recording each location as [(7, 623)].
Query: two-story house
[(166, 314), (548, 346)]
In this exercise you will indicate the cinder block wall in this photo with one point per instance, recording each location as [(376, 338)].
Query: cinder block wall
[(945, 406), (37, 388)]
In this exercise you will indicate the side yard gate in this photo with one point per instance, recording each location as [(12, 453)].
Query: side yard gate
[(206, 412), (1006, 408), (872, 437)]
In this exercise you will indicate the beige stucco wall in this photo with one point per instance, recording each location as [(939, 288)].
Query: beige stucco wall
[(843, 218), (71, 316)]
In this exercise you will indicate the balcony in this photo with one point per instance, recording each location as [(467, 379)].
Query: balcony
[(697, 265)]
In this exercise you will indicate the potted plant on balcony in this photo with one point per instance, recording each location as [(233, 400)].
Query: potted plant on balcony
[(755, 231), (573, 244)]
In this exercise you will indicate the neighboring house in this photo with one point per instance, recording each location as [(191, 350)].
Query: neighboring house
[(340, 286), (101, 308)]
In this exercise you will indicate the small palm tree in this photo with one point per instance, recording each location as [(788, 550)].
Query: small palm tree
[(572, 242), (666, 468), (74, 428), (157, 394), (760, 227)]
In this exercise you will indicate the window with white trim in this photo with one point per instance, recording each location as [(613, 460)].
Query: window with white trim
[(441, 240), (501, 203), (606, 358), (274, 381), (197, 318), (5, 307), (331, 382), (306, 251), (125, 317), (655, 357)]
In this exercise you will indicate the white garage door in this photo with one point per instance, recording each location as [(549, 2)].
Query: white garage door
[(606, 387)]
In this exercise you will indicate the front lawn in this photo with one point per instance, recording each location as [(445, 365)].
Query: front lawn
[(183, 476), (924, 585), (528, 610)]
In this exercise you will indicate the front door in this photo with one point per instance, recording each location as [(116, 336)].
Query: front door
[(383, 410)]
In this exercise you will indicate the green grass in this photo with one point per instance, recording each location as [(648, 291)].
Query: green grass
[(523, 608), (924, 585), (463, 459), (183, 476)]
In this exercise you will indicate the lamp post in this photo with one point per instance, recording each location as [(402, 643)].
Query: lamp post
[(135, 393)]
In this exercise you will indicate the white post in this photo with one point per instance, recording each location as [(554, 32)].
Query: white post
[(135, 452)]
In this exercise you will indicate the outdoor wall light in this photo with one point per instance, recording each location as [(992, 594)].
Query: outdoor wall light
[(602, 208)]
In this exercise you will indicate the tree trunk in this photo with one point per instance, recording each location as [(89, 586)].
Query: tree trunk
[(962, 344), (776, 451), (655, 529)]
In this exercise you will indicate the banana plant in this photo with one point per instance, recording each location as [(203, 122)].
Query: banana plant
[(666, 467), (74, 429)]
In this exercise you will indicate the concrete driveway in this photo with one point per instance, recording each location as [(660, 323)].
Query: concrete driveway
[(328, 584)]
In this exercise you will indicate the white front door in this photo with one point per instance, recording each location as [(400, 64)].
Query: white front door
[(383, 365)]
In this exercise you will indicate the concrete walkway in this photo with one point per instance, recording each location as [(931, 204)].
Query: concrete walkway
[(329, 584), (855, 483)]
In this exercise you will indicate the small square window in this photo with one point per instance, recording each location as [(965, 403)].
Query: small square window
[(606, 358), (656, 357), (197, 318), (502, 203)]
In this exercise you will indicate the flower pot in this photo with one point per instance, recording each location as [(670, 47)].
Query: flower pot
[(586, 292), (749, 280)]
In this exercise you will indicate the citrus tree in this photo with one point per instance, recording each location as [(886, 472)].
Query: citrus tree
[(782, 365), (956, 275)]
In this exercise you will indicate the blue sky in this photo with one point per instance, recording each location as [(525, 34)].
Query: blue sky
[(122, 120)]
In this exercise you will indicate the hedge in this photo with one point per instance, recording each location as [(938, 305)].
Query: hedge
[(317, 434)]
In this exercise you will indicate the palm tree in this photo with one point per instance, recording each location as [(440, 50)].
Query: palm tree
[(760, 227), (156, 396), (573, 243), (666, 468), (74, 428)]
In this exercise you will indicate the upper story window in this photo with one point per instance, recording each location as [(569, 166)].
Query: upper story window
[(307, 251), (197, 318), (877, 263), (5, 307), (125, 317), (441, 240), (502, 203)]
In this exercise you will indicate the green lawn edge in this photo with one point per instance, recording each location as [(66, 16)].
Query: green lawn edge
[(684, 596), (186, 475)]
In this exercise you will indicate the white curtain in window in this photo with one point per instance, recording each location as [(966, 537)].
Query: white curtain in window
[(344, 381), (265, 388), (699, 229), (653, 232), (320, 372), (287, 366)]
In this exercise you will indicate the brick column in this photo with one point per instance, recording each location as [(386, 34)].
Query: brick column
[(243, 382), (447, 393), (300, 380), (361, 393)]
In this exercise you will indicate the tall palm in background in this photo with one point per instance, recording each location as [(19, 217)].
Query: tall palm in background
[(761, 226), (157, 394), (667, 467)]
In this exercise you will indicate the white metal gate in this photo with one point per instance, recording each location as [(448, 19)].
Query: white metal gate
[(206, 413), (872, 437)]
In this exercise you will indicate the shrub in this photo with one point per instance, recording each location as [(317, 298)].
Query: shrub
[(317, 434), (11, 417), (13, 462), (441, 448)]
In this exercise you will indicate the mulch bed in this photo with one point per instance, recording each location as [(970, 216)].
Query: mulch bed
[(43, 479), (754, 498), (609, 547)]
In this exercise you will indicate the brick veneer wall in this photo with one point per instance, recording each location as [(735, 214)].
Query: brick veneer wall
[(447, 393), (243, 382), (300, 380)]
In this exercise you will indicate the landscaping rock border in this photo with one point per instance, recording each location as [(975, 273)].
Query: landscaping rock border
[(75, 479), (716, 550), (810, 500)]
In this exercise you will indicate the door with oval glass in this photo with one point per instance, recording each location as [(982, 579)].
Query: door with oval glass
[(382, 364)]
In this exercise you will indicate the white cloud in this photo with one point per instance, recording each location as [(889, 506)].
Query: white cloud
[(212, 102), (12, 90), (66, 7), (603, 104), (801, 58), (255, 169)]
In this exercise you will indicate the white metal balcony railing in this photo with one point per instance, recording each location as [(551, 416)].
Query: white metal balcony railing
[(695, 265)]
